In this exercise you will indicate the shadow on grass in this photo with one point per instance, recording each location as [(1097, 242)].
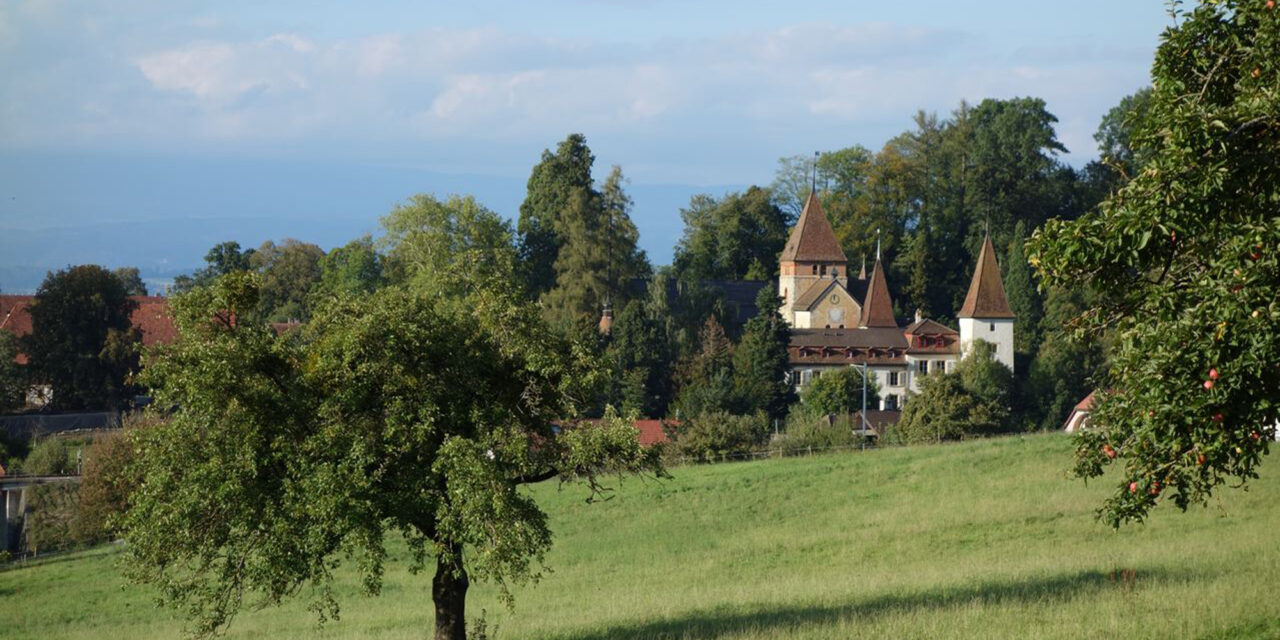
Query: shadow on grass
[(764, 618)]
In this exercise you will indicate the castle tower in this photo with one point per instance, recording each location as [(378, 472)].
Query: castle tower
[(985, 314), (877, 309), (812, 254)]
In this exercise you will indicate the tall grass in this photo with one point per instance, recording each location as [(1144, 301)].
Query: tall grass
[(982, 540)]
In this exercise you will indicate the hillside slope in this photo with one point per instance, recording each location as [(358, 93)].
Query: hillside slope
[(983, 540)]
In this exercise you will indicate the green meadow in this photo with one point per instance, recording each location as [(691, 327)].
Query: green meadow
[(987, 539)]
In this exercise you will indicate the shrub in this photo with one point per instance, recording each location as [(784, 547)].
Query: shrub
[(107, 482), (838, 391), (50, 457), (718, 435)]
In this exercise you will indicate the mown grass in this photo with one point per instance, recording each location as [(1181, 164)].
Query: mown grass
[(979, 540)]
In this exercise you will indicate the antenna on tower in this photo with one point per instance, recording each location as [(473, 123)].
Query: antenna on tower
[(877, 244), (813, 173)]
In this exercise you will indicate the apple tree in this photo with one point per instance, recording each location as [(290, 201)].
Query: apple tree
[(1186, 258), (388, 414)]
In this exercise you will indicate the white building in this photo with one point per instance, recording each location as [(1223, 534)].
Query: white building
[(838, 321)]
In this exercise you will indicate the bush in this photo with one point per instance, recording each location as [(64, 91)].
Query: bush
[(50, 523), (838, 391), (50, 457), (107, 482), (718, 435), (807, 432)]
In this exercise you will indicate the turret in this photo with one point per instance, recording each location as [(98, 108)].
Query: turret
[(985, 314)]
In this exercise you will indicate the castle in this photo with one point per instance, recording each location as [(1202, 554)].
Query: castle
[(838, 321)]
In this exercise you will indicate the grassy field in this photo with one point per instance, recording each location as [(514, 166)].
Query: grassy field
[(977, 540)]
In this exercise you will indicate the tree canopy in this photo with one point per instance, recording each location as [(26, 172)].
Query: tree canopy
[(392, 413), (1186, 263), (82, 342)]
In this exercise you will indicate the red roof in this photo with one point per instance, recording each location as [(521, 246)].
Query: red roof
[(877, 309), (986, 297), (1086, 404), (812, 239), (151, 317)]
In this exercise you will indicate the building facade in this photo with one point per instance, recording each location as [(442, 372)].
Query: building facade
[(842, 321)]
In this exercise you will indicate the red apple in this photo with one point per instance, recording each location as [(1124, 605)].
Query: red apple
[(1208, 384), (1217, 417), (1255, 436), (1108, 451), (1200, 459), (1133, 487), (1213, 374)]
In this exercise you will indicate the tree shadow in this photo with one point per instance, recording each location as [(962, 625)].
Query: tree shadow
[(762, 618)]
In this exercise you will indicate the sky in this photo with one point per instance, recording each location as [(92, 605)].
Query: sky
[(142, 132)]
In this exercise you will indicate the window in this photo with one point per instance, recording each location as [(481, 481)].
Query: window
[(923, 367), (793, 378), (815, 272), (939, 366), (993, 326), (894, 378), (891, 402)]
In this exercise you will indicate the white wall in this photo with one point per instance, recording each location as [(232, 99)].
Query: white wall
[(997, 332)]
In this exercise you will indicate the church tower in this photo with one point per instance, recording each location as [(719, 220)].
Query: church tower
[(812, 255), (986, 314)]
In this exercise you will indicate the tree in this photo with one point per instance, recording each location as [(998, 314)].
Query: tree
[(1184, 261), (641, 357), (222, 258), (732, 237), (82, 341), (289, 271), (598, 256), (706, 376), (448, 247), (1117, 132), (838, 391), (395, 412), (1065, 367), (1023, 295), (761, 361), (555, 183), (990, 383), (354, 268), (13, 382), (131, 280), (940, 410), (717, 434)]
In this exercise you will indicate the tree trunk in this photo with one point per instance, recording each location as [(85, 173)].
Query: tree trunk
[(449, 591)]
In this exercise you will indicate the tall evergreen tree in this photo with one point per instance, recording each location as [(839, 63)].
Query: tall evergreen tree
[(731, 238), (1024, 298), (555, 183), (760, 361)]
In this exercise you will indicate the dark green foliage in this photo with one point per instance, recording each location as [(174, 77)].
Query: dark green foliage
[(554, 183), (13, 377), (289, 272), (940, 410), (1022, 293), (641, 358), (1066, 365), (223, 258), (706, 375), (107, 482), (395, 412), (1184, 258), (838, 391), (808, 433), (990, 383), (131, 280), (82, 341), (760, 361), (732, 237), (717, 435), (1117, 133), (354, 268)]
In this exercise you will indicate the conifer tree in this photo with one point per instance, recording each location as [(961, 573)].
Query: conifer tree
[(760, 361), (1024, 299)]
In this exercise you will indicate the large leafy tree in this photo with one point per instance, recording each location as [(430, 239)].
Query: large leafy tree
[(393, 413), (353, 268), (449, 247), (839, 392), (289, 271), (737, 237), (221, 259), (1186, 258), (13, 379), (82, 342)]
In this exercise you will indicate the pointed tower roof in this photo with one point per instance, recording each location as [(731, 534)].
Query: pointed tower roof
[(877, 308), (986, 297), (812, 239), (862, 275)]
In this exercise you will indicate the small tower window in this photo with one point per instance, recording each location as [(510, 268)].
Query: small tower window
[(993, 326), (815, 269)]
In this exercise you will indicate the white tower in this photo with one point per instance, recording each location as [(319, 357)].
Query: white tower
[(986, 315)]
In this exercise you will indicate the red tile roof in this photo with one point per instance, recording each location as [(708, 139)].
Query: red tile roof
[(151, 316), (986, 297), (877, 309), (812, 239), (15, 319)]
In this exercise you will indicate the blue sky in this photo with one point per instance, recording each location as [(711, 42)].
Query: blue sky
[(311, 119)]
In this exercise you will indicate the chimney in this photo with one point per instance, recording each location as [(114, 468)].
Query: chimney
[(918, 316)]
